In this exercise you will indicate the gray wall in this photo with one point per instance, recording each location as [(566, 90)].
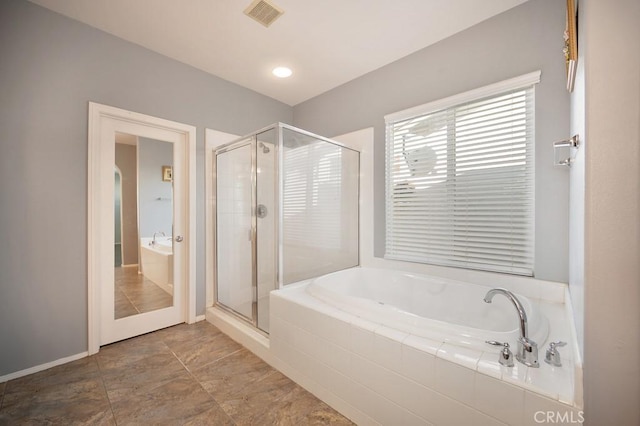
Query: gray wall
[(50, 68), (523, 39), (156, 195), (611, 287)]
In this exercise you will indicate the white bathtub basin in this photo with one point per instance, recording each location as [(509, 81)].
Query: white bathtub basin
[(157, 261), (435, 308)]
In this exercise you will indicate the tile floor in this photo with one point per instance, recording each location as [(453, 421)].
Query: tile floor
[(135, 294), (182, 375)]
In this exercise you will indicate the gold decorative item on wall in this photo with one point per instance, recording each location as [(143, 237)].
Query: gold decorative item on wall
[(167, 174), (571, 44)]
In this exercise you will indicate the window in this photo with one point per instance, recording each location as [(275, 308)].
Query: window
[(460, 187)]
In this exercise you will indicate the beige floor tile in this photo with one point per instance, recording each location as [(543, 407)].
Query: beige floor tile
[(197, 353), (214, 416), (2, 386), (70, 393), (124, 308), (230, 375), (301, 407), (61, 375), (184, 333), (255, 402), (141, 377), (134, 293), (170, 403), (187, 375), (131, 351)]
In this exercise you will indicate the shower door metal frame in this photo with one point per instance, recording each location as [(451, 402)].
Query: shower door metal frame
[(250, 140)]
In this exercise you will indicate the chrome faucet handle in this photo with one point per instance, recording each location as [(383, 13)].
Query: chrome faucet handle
[(506, 357), (552, 356)]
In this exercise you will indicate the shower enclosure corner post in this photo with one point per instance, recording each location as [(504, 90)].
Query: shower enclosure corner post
[(280, 207), (254, 230), (214, 231)]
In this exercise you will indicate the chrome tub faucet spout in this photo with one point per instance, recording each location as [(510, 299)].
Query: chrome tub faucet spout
[(527, 352), (153, 241)]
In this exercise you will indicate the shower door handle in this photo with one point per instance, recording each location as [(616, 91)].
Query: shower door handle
[(261, 211)]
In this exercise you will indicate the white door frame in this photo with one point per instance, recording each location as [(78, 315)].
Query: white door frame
[(98, 156)]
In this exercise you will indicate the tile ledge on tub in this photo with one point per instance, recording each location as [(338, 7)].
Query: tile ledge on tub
[(551, 383), (458, 355)]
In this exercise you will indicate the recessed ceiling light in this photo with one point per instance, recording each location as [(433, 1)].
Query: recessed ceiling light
[(282, 72)]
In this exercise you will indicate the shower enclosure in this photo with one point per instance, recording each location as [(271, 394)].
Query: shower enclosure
[(286, 210)]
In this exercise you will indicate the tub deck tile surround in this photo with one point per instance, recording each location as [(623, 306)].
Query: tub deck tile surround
[(387, 347), (488, 366), (392, 374), (157, 379), (507, 401), (426, 374), (455, 381), (459, 355)]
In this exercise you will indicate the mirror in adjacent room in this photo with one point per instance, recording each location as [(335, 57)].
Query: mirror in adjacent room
[(143, 208)]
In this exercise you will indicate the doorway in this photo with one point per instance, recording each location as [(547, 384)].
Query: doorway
[(152, 285)]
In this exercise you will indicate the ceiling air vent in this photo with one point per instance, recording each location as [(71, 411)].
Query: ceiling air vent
[(263, 12)]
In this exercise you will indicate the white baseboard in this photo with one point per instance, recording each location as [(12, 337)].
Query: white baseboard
[(200, 318), (42, 367)]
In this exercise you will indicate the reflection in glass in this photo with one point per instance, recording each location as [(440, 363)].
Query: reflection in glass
[(144, 220), (320, 207)]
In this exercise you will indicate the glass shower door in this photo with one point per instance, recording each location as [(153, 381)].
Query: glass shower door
[(235, 227), (246, 214)]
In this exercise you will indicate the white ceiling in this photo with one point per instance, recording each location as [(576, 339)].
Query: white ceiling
[(326, 42)]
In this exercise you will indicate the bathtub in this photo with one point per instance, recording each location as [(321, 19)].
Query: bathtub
[(157, 262), (388, 347), (443, 310)]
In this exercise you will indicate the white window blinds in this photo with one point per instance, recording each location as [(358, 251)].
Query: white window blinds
[(460, 187)]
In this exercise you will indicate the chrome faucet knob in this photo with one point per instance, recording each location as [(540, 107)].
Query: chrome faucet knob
[(506, 357), (552, 356)]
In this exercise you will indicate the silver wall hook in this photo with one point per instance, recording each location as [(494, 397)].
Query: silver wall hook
[(563, 151)]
